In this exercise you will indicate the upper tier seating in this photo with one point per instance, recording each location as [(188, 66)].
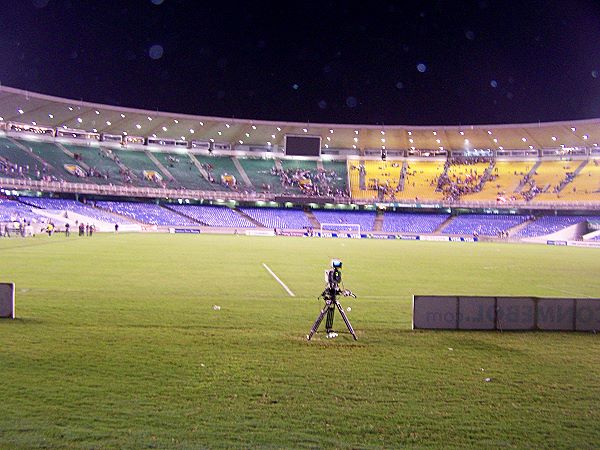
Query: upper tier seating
[(586, 185), (278, 218), (218, 168), (483, 224), (184, 170), (507, 176), (547, 178), (55, 157), (102, 168), (213, 216), (412, 223), (137, 162), (74, 206), (148, 213), (549, 224), (421, 180), (365, 219), (339, 175), (16, 163), (378, 175), (262, 176)]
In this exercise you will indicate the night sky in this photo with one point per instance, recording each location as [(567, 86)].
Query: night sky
[(413, 63)]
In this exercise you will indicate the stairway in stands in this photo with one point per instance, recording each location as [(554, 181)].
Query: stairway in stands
[(254, 221), (530, 174), (312, 219), (443, 225), (378, 224)]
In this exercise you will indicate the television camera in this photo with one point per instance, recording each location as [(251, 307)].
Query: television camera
[(333, 288)]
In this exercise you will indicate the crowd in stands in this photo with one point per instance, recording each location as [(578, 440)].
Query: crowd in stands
[(454, 186), (319, 183)]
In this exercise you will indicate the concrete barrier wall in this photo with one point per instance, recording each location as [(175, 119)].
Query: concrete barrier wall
[(7, 300), (446, 312)]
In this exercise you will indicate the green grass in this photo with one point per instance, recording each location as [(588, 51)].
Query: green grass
[(117, 345)]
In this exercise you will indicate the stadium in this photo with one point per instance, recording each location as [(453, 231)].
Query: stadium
[(166, 269)]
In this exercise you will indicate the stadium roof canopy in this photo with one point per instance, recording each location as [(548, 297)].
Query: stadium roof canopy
[(43, 110)]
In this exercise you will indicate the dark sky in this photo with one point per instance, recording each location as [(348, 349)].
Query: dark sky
[(418, 63)]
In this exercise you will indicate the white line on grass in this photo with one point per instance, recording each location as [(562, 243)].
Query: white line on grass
[(287, 289)]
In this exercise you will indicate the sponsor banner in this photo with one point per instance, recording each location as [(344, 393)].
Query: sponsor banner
[(292, 233), (260, 233), (505, 313), (556, 242), (434, 238), (337, 234), (184, 230), (462, 239), (591, 244), (409, 238)]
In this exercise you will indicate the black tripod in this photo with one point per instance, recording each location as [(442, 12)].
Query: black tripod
[(331, 302)]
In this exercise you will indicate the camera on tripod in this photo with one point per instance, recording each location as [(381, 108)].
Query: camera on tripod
[(333, 280)]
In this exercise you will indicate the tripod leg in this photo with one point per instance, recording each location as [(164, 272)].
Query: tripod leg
[(329, 321), (315, 326), (348, 324)]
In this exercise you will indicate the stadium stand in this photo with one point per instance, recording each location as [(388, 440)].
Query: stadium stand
[(421, 180), (586, 185), (16, 163), (102, 169), (213, 216), (504, 183), (412, 223), (262, 175), (148, 213), (134, 163), (184, 171), (338, 171), (222, 172), (382, 179), (59, 160), (548, 225), (543, 184), (73, 206), (483, 224), (14, 211), (339, 219), (278, 218)]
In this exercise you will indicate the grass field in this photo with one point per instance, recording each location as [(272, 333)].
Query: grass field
[(117, 345)]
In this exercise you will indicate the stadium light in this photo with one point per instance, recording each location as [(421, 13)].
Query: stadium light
[(435, 133), (97, 112), (269, 143), (585, 137), (34, 123), (331, 131), (462, 133), (383, 140), (219, 133), (489, 132), (175, 120), (164, 128), (382, 132), (355, 139), (51, 116), (495, 140), (254, 127), (21, 111), (201, 124), (192, 130), (355, 131), (138, 126), (573, 128), (227, 125), (554, 138), (410, 133), (122, 116), (438, 141), (354, 147), (272, 136), (212, 140), (278, 129), (411, 140), (70, 108), (79, 119), (150, 118), (305, 130), (328, 138), (247, 134), (524, 139), (108, 123), (240, 141)]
